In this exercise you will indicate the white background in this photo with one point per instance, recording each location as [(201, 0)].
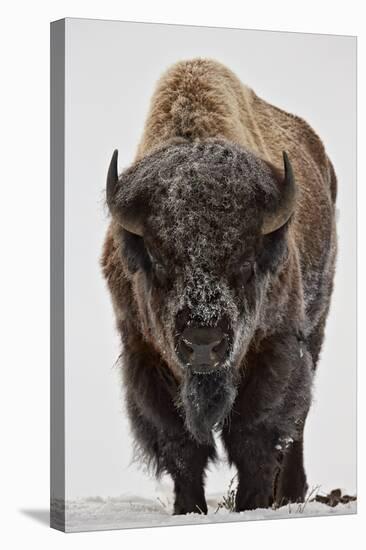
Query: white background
[(109, 82), (25, 260)]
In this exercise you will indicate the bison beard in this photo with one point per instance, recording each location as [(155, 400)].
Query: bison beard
[(207, 399)]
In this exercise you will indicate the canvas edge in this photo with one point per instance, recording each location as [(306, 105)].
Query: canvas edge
[(57, 333)]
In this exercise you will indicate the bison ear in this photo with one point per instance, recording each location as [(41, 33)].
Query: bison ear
[(123, 213), (287, 201)]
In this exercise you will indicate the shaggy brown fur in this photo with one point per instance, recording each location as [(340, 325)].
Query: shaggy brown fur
[(205, 125)]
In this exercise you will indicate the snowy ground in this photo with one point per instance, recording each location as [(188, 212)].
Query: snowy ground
[(96, 513)]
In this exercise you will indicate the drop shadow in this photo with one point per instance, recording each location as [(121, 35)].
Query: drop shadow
[(40, 515)]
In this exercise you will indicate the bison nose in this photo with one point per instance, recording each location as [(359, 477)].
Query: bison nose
[(203, 348)]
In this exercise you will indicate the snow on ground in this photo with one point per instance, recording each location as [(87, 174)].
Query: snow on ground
[(97, 513)]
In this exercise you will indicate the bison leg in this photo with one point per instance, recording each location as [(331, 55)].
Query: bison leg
[(268, 414), (186, 461), (166, 445), (257, 464), (291, 483)]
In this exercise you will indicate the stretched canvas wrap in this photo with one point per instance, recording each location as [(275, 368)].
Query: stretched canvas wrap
[(203, 201)]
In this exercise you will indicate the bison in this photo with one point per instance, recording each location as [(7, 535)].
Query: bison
[(219, 258)]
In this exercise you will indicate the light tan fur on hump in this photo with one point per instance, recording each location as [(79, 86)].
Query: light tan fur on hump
[(202, 98)]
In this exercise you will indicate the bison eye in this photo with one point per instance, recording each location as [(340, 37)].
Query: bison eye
[(158, 269), (160, 274), (246, 271)]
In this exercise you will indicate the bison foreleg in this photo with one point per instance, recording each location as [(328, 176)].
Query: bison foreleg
[(163, 442), (291, 484), (186, 461), (257, 464), (263, 436)]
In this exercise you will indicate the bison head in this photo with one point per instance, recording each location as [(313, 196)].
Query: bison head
[(201, 229)]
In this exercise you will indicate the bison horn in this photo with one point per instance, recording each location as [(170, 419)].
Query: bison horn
[(112, 179), (274, 220), (121, 213)]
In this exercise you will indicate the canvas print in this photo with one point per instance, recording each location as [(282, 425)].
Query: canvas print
[(203, 271)]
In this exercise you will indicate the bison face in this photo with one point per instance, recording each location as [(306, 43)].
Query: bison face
[(202, 229)]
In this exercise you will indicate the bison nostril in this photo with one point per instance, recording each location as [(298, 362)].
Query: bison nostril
[(220, 348), (187, 346), (185, 351)]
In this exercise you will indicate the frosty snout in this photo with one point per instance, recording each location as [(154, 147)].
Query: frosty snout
[(204, 349)]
